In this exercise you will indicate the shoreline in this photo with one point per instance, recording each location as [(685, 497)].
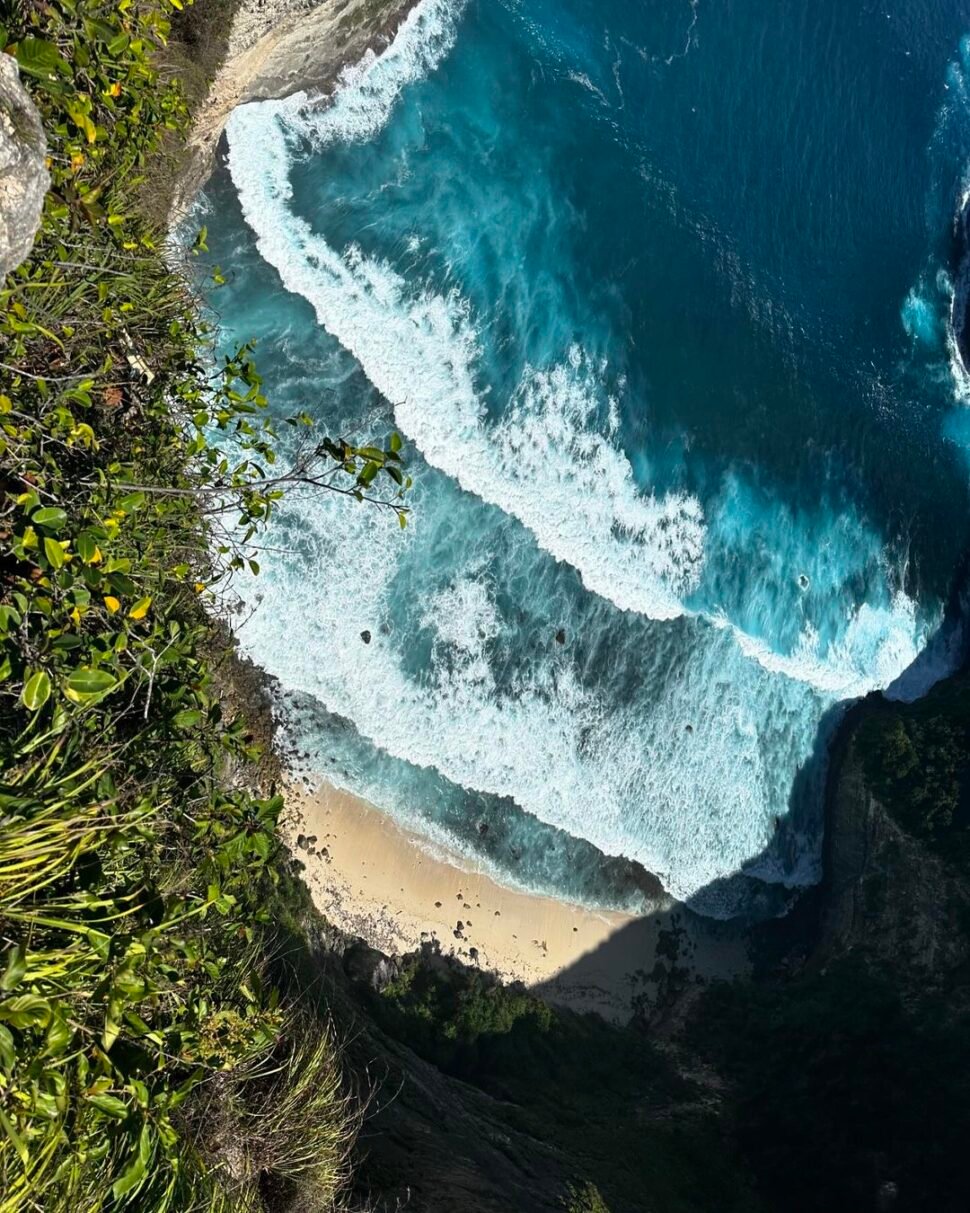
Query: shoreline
[(368, 875), (372, 878), (277, 48)]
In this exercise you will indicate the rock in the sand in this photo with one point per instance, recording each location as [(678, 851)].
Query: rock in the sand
[(561, 636), (367, 966), (365, 636)]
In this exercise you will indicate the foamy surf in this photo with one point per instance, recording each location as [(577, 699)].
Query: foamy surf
[(694, 748), (544, 462)]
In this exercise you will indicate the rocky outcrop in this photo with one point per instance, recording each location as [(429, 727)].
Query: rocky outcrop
[(960, 304), (23, 175), (276, 48), (886, 894)]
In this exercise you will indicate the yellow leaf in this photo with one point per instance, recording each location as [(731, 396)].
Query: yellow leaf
[(6, 404), (112, 604), (115, 90), (199, 587), (98, 556), (140, 609), (76, 617)]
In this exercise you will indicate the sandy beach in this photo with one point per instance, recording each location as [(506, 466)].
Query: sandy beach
[(373, 879)]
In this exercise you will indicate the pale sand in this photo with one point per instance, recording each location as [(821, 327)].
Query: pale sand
[(373, 879)]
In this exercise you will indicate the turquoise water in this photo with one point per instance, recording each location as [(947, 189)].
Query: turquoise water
[(658, 296)]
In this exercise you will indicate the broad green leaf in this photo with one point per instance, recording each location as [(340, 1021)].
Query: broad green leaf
[(85, 683), (36, 692), (51, 517), (41, 58), (8, 1052), (15, 970), (26, 1011), (133, 1175), (395, 443), (188, 718), (110, 1105), (15, 1138), (54, 553), (58, 1037)]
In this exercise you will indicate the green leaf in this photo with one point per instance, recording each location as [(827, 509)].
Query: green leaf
[(136, 1171), (16, 1139), (8, 1052), (36, 692), (15, 970), (58, 1037), (188, 718), (395, 443), (41, 58), (54, 553), (85, 683), (110, 1105), (51, 517), (26, 1011)]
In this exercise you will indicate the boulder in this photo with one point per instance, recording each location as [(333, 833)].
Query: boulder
[(24, 179)]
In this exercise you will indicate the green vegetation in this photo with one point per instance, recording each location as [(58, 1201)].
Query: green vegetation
[(158, 1046), (836, 1081), (632, 1127), (145, 1060), (917, 760), (585, 1200)]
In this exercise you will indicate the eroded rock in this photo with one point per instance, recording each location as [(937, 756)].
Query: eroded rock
[(24, 179)]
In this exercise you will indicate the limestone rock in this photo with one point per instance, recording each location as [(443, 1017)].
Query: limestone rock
[(23, 176)]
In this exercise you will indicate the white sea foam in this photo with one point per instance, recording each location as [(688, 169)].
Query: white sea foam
[(563, 480), (714, 732), (545, 461), (367, 91), (876, 646), (717, 733)]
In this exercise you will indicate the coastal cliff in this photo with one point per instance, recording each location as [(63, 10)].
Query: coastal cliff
[(275, 48), (181, 1027)]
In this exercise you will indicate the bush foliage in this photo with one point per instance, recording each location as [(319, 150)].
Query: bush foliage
[(137, 885)]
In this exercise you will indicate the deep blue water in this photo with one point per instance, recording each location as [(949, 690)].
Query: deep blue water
[(657, 294)]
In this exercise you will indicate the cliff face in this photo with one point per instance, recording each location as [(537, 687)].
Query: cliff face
[(895, 888), (276, 48), (885, 891)]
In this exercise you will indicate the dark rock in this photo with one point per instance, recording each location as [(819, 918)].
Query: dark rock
[(365, 636), (960, 305), (366, 966), (561, 636)]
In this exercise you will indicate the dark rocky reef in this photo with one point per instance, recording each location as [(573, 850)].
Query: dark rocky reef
[(960, 269)]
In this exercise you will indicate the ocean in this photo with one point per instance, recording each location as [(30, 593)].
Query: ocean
[(657, 295)]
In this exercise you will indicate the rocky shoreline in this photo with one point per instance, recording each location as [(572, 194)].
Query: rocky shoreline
[(277, 48)]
